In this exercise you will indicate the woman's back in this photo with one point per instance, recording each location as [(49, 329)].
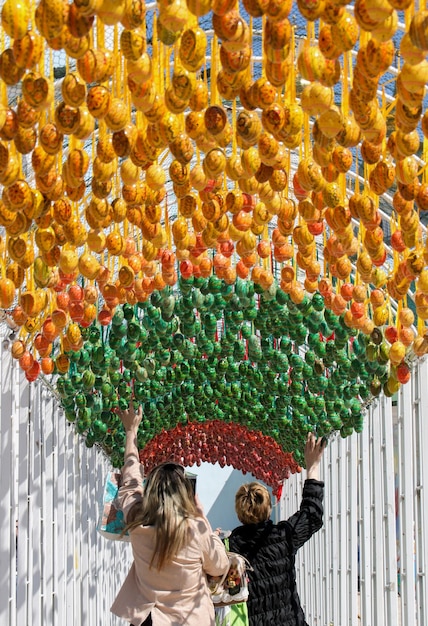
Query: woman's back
[(177, 593), (273, 598)]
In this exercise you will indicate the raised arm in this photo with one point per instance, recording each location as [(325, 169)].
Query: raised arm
[(131, 420), (131, 491), (308, 519)]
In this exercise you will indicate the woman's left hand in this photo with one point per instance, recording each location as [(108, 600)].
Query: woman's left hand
[(314, 449)]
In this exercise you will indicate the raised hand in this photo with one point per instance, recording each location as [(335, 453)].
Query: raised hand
[(314, 449), (130, 418)]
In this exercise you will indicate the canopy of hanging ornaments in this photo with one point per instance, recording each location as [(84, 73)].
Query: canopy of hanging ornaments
[(219, 210)]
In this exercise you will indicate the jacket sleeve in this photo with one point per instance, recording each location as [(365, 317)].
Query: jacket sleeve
[(309, 518), (131, 489), (215, 561)]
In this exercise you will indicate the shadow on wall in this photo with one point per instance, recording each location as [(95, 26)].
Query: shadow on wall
[(216, 487)]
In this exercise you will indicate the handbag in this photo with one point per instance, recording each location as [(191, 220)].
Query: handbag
[(111, 521), (232, 587)]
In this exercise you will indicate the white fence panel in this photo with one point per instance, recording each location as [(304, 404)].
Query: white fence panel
[(56, 570), (367, 566)]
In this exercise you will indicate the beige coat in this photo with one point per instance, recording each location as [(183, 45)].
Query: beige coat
[(177, 595)]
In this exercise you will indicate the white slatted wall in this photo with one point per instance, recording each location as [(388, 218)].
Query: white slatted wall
[(375, 533), (55, 569)]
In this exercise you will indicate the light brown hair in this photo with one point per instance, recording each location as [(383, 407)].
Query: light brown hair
[(253, 503), (168, 503)]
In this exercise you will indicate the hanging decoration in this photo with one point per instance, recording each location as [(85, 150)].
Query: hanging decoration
[(213, 197), (225, 443), (235, 354)]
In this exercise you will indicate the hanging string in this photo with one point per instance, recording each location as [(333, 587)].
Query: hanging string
[(213, 74)]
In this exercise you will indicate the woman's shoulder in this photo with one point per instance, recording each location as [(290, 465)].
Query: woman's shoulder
[(253, 532), (253, 528), (199, 525)]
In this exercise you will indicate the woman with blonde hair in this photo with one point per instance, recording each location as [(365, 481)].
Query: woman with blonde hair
[(271, 548), (173, 545)]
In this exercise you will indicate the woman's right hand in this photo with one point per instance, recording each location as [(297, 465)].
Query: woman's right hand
[(130, 418)]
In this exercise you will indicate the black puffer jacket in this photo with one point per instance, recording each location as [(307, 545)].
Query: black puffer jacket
[(271, 550)]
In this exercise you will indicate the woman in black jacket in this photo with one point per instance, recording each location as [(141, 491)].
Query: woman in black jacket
[(271, 548)]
